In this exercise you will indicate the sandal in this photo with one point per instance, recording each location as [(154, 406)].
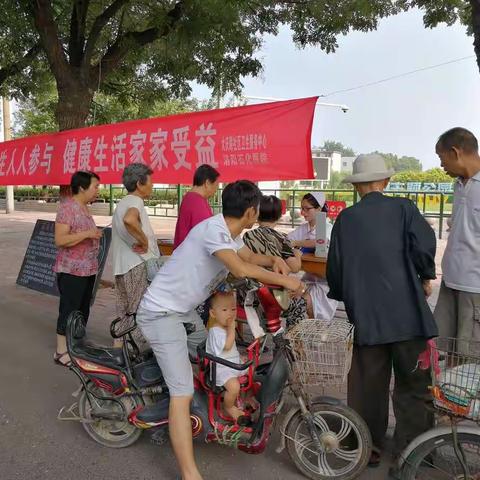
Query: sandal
[(57, 358), (244, 421)]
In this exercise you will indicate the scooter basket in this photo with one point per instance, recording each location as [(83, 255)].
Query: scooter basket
[(455, 367), (322, 351)]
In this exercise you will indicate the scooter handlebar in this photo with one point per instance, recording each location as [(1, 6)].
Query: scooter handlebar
[(248, 283)]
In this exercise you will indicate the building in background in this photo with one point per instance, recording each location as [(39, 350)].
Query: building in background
[(324, 164), (347, 164)]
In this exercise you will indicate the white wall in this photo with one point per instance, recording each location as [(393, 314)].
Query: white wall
[(267, 187), (347, 164)]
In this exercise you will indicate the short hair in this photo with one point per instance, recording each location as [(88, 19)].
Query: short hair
[(83, 180), (220, 295), (239, 196), (314, 202), (204, 173), (458, 137), (135, 173), (270, 208), (210, 303)]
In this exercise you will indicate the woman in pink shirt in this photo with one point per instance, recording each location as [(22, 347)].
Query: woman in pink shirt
[(195, 208), (77, 239)]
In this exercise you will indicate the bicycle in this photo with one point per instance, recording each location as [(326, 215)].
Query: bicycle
[(449, 452)]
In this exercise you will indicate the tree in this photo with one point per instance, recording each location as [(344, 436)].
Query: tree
[(336, 181), (466, 12), (36, 114), (407, 163), (435, 175), (333, 146), (401, 164), (152, 49), (141, 50), (146, 49)]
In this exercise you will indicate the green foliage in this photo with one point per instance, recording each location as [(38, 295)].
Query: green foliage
[(334, 146), (401, 164), (444, 11), (34, 193), (336, 181), (435, 175), (51, 194), (145, 51), (37, 114)]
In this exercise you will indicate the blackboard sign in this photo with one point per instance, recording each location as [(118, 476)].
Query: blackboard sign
[(37, 267)]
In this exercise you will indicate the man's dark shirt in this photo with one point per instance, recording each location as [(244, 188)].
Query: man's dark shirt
[(380, 251)]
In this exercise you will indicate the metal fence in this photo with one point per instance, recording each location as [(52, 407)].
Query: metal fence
[(164, 201), (434, 205)]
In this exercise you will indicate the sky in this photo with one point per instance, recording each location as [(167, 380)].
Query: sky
[(403, 116)]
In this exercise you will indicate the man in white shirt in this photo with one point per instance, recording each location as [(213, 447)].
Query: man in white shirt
[(458, 308), (194, 271)]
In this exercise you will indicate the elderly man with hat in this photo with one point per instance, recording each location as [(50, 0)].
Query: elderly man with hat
[(380, 263)]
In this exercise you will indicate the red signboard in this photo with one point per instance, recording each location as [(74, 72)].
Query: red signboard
[(334, 208), (259, 142)]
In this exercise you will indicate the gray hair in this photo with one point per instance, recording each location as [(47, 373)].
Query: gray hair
[(134, 173)]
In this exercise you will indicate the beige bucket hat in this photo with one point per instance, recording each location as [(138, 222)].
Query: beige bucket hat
[(369, 168)]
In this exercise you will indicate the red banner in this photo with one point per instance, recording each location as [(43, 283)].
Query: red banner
[(270, 141), (334, 208)]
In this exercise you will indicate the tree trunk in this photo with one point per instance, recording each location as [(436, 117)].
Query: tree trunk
[(475, 5), (73, 106), (71, 112)]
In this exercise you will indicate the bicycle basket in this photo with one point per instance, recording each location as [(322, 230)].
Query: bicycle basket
[(322, 351), (456, 373)]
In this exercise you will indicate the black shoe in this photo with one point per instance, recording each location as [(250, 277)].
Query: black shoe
[(375, 459), (159, 436)]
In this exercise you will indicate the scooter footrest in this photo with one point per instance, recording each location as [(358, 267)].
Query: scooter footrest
[(69, 414), (156, 411)]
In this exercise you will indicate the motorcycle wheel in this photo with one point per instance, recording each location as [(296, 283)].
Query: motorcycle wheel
[(110, 433), (345, 439)]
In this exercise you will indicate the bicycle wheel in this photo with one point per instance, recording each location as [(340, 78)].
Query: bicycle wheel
[(345, 440), (435, 459)]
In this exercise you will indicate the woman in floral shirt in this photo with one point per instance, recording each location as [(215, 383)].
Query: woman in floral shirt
[(77, 239)]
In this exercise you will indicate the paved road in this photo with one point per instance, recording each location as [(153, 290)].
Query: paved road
[(33, 444)]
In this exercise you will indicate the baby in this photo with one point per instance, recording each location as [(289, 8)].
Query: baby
[(221, 343)]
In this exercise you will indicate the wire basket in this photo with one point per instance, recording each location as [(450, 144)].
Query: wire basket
[(456, 372), (322, 351)]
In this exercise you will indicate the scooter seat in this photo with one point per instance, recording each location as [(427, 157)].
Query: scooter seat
[(106, 356)]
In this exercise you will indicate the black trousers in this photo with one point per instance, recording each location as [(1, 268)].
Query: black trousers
[(368, 390), (75, 294)]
